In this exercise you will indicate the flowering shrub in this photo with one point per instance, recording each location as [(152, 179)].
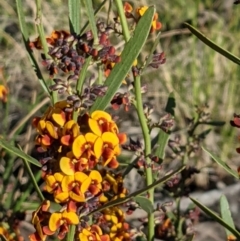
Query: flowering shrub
[(79, 145)]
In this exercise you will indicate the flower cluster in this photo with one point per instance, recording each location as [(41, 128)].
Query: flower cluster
[(80, 157), (130, 14)]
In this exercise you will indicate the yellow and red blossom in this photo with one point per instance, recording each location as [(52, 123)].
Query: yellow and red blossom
[(155, 24), (72, 175), (69, 132), (40, 221), (119, 229), (93, 233), (64, 218)]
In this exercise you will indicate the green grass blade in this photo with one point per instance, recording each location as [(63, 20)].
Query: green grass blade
[(74, 8), (222, 163), (212, 45), (95, 12), (226, 214), (216, 217), (130, 53), (26, 41), (90, 13), (19, 153)]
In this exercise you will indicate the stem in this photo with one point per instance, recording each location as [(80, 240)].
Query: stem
[(147, 150), (71, 233), (123, 19), (41, 33)]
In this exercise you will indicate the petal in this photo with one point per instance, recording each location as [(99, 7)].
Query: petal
[(55, 221), (46, 140), (61, 197), (78, 146), (50, 181), (70, 217), (51, 129), (98, 147), (68, 126), (78, 198), (113, 163), (45, 205), (58, 176), (41, 125), (67, 183), (99, 114), (59, 116), (90, 137), (122, 137), (95, 127), (80, 177), (85, 185), (67, 166), (109, 137), (66, 140), (96, 176), (47, 231)]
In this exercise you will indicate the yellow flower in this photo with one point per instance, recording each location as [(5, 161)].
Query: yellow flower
[(3, 93)]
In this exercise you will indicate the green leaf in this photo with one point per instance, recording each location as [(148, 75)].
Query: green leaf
[(213, 123), (203, 134), (139, 192), (221, 163), (19, 153), (212, 45), (171, 104), (91, 18), (226, 214), (216, 217), (162, 143), (162, 135), (144, 203), (130, 53), (74, 16)]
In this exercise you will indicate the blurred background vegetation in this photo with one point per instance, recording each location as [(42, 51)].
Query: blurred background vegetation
[(195, 73)]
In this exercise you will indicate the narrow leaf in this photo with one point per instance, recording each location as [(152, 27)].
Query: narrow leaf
[(19, 153), (139, 192), (171, 104), (162, 143), (221, 163), (216, 217), (25, 35), (213, 123), (144, 203), (203, 134), (74, 16), (212, 45), (90, 13), (226, 214), (130, 53)]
